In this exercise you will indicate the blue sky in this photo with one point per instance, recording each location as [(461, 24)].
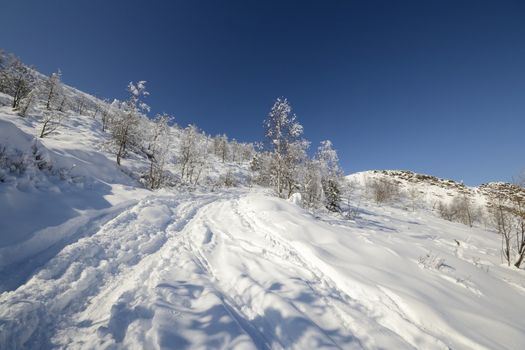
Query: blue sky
[(431, 86)]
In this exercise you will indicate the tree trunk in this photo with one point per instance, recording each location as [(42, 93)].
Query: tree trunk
[(120, 152)]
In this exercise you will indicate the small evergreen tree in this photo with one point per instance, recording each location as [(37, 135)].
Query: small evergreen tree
[(331, 174)]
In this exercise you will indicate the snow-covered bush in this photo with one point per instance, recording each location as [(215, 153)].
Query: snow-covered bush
[(431, 261)]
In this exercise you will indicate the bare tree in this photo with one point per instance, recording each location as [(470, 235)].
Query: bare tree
[(107, 113), (415, 195), (519, 212), (55, 100), (27, 103), (460, 209), (50, 122), (508, 216)]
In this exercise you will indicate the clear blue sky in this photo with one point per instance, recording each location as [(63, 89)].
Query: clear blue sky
[(431, 86)]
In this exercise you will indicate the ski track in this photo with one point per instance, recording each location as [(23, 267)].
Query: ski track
[(201, 271)]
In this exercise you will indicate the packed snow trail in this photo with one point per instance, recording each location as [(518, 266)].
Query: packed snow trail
[(246, 271)]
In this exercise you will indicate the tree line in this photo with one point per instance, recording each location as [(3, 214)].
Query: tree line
[(281, 162)]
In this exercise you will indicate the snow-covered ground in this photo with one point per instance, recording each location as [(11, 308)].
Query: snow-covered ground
[(246, 270), (89, 260)]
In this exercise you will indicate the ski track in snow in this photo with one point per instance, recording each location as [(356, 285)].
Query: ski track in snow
[(214, 271)]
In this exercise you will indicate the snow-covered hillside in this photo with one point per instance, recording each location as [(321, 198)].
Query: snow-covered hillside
[(90, 259), (241, 269)]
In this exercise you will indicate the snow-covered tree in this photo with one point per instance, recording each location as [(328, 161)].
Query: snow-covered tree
[(507, 212), (294, 162), (16, 79), (284, 137), (52, 91), (28, 102), (157, 150), (331, 174), (248, 151), (312, 190), (50, 121), (125, 127), (221, 147), (192, 154)]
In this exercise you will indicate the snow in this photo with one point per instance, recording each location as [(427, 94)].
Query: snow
[(246, 270), (89, 259)]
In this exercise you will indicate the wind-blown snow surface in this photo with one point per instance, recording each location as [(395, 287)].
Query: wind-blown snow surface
[(246, 270)]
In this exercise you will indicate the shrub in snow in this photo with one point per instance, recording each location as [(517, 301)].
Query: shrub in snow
[(415, 196), (460, 210), (431, 261), (228, 180)]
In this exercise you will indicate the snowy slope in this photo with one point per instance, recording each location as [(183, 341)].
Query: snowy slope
[(245, 270)]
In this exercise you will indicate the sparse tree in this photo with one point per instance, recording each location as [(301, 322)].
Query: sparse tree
[(460, 209), (55, 100), (508, 216), (27, 103), (502, 220), (107, 113), (415, 196)]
